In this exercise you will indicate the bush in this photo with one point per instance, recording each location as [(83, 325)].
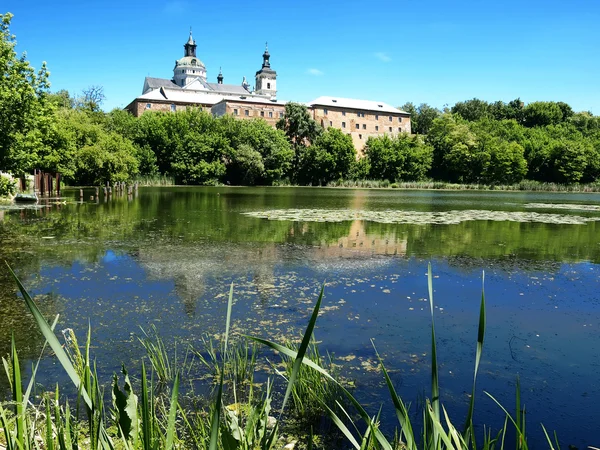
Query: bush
[(8, 186)]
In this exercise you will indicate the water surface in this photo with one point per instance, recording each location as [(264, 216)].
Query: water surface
[(167, 256)]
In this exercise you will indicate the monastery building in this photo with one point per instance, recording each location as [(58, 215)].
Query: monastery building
[(190, 87)]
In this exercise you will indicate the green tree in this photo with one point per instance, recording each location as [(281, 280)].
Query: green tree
[(329, 158), (540, 114), (25, 113), (421, 117), (472, 110), (403, 157)]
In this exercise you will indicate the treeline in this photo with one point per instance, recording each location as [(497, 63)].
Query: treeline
[(472, 142)]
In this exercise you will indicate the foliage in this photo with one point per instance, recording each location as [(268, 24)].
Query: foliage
[(24, 109), (421, 117), (8, 186), (398, 158), (329, 158)]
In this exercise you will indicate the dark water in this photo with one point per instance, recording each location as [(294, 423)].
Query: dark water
[(167, 257)]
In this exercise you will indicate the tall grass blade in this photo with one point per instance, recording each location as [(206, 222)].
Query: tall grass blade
[(216, 414), (172, 414), (52, 340), (343, 428), (468, 428), (519, 432), (406, 430), (17, 392), (435, 386)]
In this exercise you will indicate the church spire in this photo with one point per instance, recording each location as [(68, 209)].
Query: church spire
[(220, 77), (190, 46), (266, 56)]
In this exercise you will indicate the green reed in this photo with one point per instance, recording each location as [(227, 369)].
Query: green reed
[(153, 418)]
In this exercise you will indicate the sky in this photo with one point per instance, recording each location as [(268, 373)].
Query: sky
[(430, 51)]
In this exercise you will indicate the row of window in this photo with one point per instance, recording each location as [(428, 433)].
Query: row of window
[(262, 113), (173, 106), (362, 114), (364, 127)]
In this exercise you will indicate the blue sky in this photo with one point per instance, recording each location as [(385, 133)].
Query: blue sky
[(437, 52)]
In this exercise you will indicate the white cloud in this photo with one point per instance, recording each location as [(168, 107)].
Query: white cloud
[(382, 56), (315, 72)]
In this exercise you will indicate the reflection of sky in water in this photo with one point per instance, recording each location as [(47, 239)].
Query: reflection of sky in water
[(168, 256), (541, 326)]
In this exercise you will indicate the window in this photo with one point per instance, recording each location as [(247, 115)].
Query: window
[(399, 130), (364, 126), (376, 116), (390, 129), (246, 112), (357, 126), (325, 111), (148, 105), (343, 113), (235, 112), (268, 85), (281, 115), (399, 119), (270, 113), (173, 108), (376, 127), (360, 136), (262, 114), (343, 124), (391, 118), (330, 123)]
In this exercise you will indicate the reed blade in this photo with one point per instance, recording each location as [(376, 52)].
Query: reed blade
[(172, 414), (52, 340), (468, 428)]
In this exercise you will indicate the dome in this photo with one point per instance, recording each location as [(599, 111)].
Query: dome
[(189, 61)]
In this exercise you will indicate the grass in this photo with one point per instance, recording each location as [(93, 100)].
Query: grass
[(152, 416), (525, 185)]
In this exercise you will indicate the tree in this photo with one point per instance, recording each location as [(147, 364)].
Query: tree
[(92, 98), (403, 157), (540, 114), (329, 158), (421, 117), (298, 126), (24, 110), (472, 110)]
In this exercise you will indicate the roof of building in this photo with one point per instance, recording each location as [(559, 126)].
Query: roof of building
[(228, 88), (181, 96), (190, 61), (367, 105), (156, 83), (253, 99)]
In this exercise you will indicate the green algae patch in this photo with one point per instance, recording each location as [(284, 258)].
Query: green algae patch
[(417, 217)]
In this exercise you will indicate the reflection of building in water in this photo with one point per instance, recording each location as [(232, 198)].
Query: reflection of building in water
[(358, 241)]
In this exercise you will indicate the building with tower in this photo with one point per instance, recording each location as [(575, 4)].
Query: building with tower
[(190, 87)]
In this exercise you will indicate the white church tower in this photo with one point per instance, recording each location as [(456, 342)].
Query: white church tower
[(266, 78), (188, 68)]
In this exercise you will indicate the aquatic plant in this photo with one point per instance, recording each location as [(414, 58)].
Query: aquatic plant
[(155, 419)]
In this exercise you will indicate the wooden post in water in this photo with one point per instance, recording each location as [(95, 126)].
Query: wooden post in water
[(97, 192), (57, 184), (81, 194)]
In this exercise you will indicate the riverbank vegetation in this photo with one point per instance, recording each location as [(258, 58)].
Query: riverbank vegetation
[(471, 143), (153, 409)]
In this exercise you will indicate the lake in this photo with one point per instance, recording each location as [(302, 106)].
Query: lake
[(168, 255)]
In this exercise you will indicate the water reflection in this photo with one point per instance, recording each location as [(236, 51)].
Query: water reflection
[(168, 256)]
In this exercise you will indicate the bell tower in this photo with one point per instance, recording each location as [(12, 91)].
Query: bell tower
[(266, 78)]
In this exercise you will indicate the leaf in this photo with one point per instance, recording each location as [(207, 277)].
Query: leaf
[(52, 340)]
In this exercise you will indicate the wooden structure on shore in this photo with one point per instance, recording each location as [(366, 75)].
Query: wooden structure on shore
[(46, 183)]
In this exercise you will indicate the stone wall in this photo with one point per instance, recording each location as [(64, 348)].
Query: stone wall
[(271, 113), (138, 107)]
